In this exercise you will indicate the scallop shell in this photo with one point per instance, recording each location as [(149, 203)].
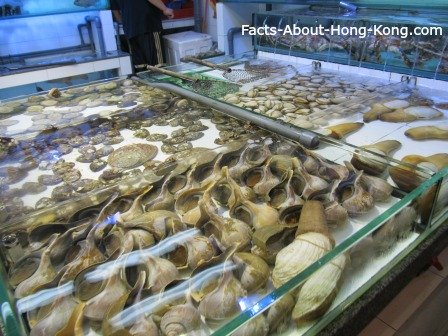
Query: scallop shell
[(132, 156)]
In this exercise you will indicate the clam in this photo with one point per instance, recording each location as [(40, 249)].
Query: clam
[(411, 114), (340, 131), (433, 132), (254, 273), (222, 302), (319, 290), (311, 246), (183, 319), (375, 165), (193, 253), (279, 314), (132, 156)]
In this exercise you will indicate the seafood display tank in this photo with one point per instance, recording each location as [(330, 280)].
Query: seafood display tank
[(146, 206)]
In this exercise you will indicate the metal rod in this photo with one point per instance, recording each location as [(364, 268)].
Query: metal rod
[(304, 137), (206, 63), (172, 73)]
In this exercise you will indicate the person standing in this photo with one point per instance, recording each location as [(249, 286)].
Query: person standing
[(142, 25)]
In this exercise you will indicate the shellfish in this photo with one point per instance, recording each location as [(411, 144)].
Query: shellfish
[(132, 156), (433, 132)]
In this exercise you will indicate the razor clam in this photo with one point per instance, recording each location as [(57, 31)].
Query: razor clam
[(431, 132), (372, 164), (411, 114)]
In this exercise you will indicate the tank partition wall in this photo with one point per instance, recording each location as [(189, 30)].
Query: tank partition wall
[(22, 236), (25, 8), (424, 56)]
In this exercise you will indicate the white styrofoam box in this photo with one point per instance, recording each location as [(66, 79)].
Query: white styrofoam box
[(185, 44)]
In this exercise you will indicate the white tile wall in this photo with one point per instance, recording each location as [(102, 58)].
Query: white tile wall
[(25, 35)]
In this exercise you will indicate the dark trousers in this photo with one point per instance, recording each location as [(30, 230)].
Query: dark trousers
[(147, 49)]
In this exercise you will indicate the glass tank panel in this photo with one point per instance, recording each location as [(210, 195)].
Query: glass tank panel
[(397, 49), (98, 243), (17, 8)]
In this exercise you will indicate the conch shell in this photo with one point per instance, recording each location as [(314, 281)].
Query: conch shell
[(255, 214), (58, 317), (228, 231), (257, 326), (319, 291), (304, 184), (97, 307), (160, 223), (254, 273), (160, 273), (375, 165), (309, 246), (411, 114), (269, 240), (183, 320), (352, 196), (187, 207), (279, 314), (433, 132), (193, 252), (144, 326), (396, 228), (283, 196), (222, 302), (45, 273)]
